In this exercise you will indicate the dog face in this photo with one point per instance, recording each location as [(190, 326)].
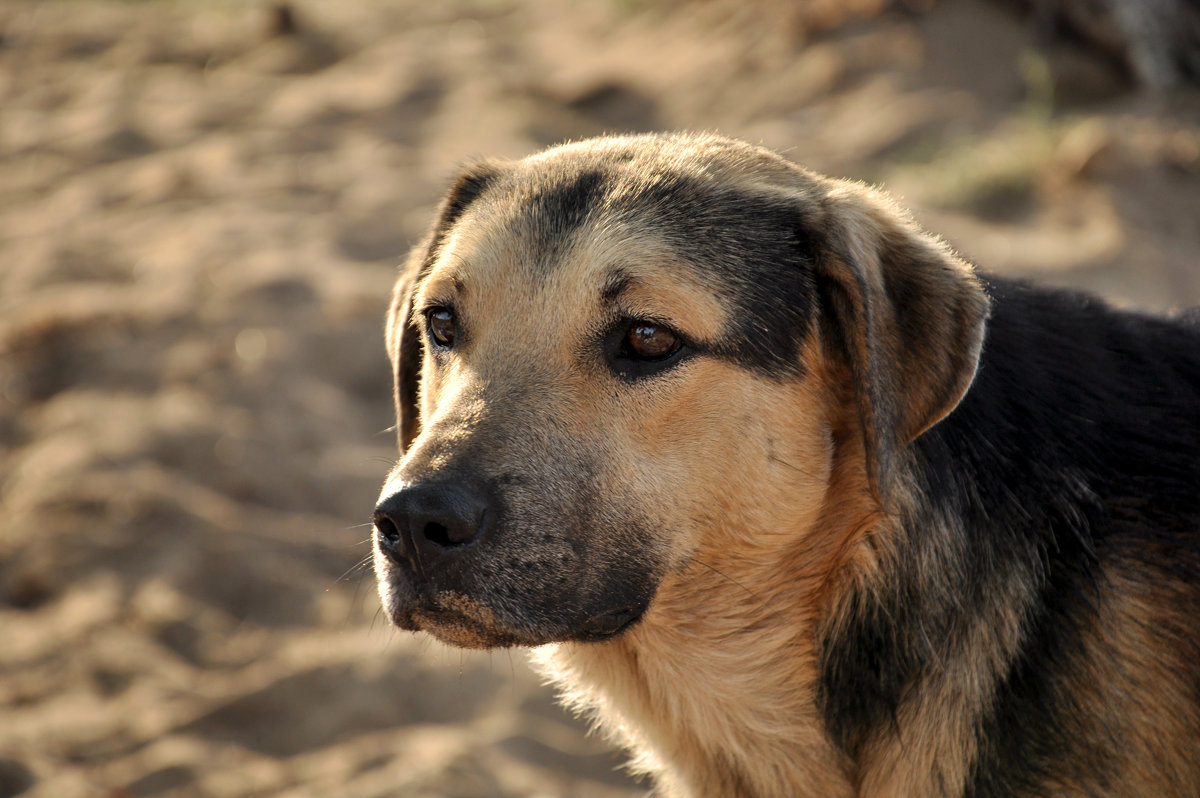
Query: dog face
[(618, 356)]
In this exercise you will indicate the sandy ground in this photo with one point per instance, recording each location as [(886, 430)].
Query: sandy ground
[(199, 226)]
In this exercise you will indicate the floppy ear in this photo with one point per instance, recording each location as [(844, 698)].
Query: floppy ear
[(402, 336), (909, 315)]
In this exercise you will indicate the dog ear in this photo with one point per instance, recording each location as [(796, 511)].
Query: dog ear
[(403, 337), (909, 317)]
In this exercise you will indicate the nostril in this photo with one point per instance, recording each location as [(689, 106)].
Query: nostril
[(454, 530), (388, 531), (439, 535)]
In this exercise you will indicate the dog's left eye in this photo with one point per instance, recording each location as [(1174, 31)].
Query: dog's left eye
[(441, 326), (641, 348), (647, 341)]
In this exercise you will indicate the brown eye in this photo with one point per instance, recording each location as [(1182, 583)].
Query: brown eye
[(441, 326), (647, 341)]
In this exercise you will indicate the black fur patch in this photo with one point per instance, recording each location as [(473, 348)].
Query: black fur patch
[(558, 209), (1079, 437)]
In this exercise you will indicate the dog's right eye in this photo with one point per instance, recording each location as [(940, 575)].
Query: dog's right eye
[(441, 326)]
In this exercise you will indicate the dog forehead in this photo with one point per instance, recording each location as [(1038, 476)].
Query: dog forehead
[(722, 219), (565, 226), (703, 198), (625, 177)]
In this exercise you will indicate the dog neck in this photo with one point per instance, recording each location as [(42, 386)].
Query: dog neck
[(715, 705), (723, 702)]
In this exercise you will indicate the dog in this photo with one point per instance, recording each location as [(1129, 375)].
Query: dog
[(784, 494)]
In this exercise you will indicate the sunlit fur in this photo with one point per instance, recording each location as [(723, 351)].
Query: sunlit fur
[(907, 532)]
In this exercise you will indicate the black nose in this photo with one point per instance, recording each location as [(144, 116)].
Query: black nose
[(424, 523)]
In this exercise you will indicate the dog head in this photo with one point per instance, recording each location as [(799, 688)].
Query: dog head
[(620, 353)]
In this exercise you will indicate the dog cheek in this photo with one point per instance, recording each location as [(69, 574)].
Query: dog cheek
[(616, 541), (672, 448), (639, 513), (750, 457)]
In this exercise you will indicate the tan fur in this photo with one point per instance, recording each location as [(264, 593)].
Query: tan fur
[(1139, 693)]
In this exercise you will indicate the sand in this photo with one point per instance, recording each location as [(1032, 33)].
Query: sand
[(200, 220)]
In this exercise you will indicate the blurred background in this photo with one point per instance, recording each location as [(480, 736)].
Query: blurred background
[(202, 205)]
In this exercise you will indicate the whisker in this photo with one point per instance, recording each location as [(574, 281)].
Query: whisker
[(733, 581), (795, 468), (356, 601), (378, 458), (361, 565), (387, 431)]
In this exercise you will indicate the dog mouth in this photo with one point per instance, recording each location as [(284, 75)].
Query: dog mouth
[(460, 621), (609, 624)]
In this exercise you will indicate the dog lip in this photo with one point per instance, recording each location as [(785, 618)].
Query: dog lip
[(462, 629), (403, 619), (608, 625), (449, 626)]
